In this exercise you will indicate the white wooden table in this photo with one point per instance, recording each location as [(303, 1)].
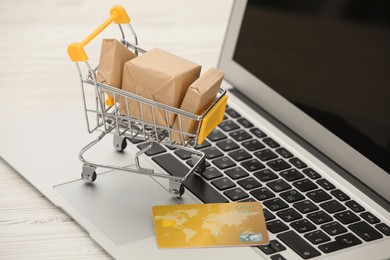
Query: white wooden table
[(37, 76)]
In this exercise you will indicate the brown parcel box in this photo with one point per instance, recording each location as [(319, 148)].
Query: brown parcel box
[(159, 76), (113, 56), (198, 98)]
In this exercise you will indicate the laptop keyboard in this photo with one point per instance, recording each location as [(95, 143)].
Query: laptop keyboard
[(305, 211)]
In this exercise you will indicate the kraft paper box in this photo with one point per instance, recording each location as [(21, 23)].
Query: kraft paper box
[(158, 76), (113, 56), (198, 98)]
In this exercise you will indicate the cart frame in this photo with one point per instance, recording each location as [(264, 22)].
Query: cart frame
[(107, 117)]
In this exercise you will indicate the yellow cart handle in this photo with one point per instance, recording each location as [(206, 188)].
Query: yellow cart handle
[(76, 50)]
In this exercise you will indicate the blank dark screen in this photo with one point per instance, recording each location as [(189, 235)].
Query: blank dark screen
[(329, 58)]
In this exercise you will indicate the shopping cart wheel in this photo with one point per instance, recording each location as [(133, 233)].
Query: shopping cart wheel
[(120, 143), (181, 190), (88, 174), (176, 189)]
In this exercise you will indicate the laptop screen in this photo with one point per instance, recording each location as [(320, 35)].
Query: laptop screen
[(329, 58)]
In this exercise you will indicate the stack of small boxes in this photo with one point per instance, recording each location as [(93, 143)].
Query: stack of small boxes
[(161, 77)]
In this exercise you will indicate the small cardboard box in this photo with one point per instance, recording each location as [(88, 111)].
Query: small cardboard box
[(198, 98), (113, 56), (158, 76)]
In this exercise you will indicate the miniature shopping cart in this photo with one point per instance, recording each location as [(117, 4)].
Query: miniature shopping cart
[(104, 115)]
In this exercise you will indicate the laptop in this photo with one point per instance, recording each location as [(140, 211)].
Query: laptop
[(305, 133)]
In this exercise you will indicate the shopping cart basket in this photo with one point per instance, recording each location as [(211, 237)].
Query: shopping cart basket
[(105, 115)]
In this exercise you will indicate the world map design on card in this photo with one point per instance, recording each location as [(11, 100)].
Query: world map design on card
[(210, 225)]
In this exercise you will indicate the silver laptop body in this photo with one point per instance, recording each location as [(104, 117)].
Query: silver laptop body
[(116, 209)]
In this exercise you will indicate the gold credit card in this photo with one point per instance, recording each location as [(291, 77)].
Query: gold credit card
[(210, 225)]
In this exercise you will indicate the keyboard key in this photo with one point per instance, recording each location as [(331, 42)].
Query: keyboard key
[(276, 226), (354, 206), (319, 217), (189, 162), (365, 231), (284, 152), (240, 155), (240, 135), (244, 122), (258, 133), (370, 218), (266, 249), (135, 140), (216, 135), (183, 154), (303, 225), (223, 183), (267, 214), (200, 168), (236, 173), (171, 165), (276, 245), (332, 206), (224, 162), (305, 185), (212, 152), (275, 204), (211, 173), (194, 183), (297, 163), (346, 217), (292, 196), (170, 147), (385, 229), (265, 155), (236, 194), (270, 142), (334, 228), (253, 145), (262, 193), (253, 165), (341, 242), (203, 145), (289, 214), (265, 175), (298, 244), (277, 257), (278, 185), (233, 113), (203, 190), (227, 145), (156, 149), (312, 174), (248, 200), (317, 237), (325, 184), (278, 165), (249, 183), (228, 125), (305, 206), (318, 195), (291, 175), (340, 195)]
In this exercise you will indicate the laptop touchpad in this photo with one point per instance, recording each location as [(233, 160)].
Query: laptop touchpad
[(119, 203)]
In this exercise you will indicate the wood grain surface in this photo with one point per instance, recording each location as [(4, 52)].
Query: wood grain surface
[(36, 76)]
